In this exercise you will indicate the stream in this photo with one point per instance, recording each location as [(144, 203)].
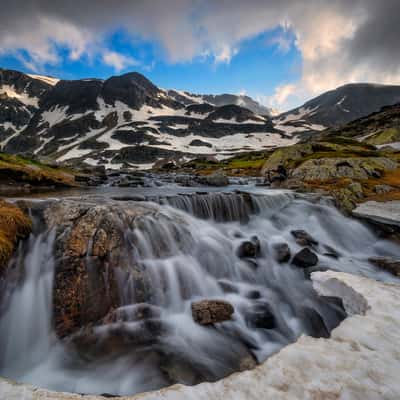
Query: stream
[(188, 251)]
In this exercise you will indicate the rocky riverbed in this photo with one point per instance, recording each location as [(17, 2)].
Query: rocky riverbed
[(189, 285)]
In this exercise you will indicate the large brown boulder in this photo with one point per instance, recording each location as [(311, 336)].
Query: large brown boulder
[(91, 245), (209, 312)]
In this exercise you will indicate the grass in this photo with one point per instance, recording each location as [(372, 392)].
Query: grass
[(24, 170), (14, 225)]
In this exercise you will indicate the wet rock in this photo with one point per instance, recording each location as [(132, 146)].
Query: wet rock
[(217, 179), (314, 322), (249, 248), (282, 252), (253, 294), (260, 316), (228, 286), (303, 238), (331, 252), (91, 245), (209, 312), (305, 258), (388, 264)]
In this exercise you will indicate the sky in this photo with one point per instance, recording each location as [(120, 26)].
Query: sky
[(281, 52)]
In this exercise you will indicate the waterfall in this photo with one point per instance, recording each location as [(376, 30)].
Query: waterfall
[(187, 251), (26, 323)]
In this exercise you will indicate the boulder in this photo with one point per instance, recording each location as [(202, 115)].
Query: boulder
[(388, 264), (249, 248), (209, 312), (260, 316), (303, 238), (324, 169), (282, 252), (91, 245), (305, 258), (217, 179)]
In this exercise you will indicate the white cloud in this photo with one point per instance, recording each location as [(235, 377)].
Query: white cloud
[(118, 61)]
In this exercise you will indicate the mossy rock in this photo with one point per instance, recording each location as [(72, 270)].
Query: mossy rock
[(385, 136)]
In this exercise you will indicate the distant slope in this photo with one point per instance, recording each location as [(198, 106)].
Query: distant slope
[(221, 100), (379, 128), (342, 105)]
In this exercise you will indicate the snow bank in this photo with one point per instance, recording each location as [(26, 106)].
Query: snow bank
[(361, 360)]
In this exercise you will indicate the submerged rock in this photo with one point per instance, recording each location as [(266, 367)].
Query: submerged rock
[(305, 258), (388, 264), (209, 312), (260, 315), (282, 252), (303, 238), (249, 248)]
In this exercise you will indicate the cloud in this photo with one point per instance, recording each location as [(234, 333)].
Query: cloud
[(340, 41), (118, 61), (281, 95)]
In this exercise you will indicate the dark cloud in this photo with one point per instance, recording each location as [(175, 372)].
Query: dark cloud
[(340, 40)]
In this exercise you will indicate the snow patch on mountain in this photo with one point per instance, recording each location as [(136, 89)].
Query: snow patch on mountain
[(23, 97)]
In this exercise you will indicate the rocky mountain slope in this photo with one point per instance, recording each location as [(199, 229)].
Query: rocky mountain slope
[(128, 121), (341, 105), (381, 128)]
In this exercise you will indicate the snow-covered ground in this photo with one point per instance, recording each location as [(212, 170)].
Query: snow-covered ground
[(359, 361)]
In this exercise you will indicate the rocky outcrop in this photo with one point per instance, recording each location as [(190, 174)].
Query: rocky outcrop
[(324, 169), (91, 244), (208, 312)]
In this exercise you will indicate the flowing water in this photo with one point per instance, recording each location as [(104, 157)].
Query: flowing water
[(188, 252)]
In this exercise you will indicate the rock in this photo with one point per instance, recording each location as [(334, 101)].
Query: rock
[(282, 252), (324, 169), (331, 252), (357, 189), (91, 244), (303, 238), (382, 189), (387, 264), (260, 316), (305, 258), (209, 312), (381, 212), (249, 249), (315, 324), (217, 179)]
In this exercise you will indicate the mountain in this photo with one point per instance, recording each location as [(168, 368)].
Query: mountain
[(123, 120), (381, 128), (221, 100), (127, 120), (340, 106)]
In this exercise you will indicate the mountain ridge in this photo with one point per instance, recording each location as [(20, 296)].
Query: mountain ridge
[(127, 120)]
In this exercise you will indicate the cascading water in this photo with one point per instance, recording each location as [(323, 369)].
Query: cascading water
[(186, 252)]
